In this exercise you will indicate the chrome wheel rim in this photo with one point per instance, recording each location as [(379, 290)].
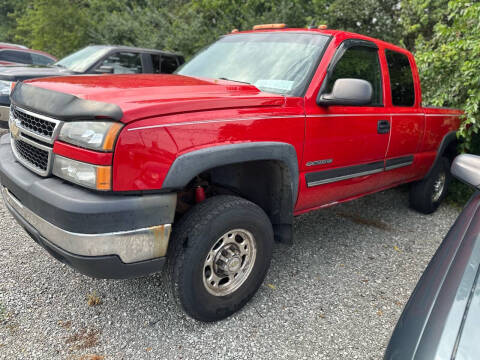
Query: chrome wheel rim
[(229, 262), (438, 187)]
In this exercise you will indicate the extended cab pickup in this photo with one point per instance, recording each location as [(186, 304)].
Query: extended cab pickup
[(114, 175)]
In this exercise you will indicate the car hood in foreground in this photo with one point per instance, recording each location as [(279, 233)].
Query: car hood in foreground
[(148, 95)]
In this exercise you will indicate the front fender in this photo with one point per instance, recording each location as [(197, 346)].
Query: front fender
[(189, 165)]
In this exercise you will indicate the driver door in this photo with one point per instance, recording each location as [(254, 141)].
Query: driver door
[(346, 145)]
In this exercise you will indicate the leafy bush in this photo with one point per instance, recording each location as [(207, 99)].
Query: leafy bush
[(449, 66)]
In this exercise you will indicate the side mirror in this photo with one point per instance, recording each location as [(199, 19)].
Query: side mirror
[(349, 92), (466, 167), (104, 69)]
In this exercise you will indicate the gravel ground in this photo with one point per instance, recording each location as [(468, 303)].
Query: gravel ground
[(336, 294)]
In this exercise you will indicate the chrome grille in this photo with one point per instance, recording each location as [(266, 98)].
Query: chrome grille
[(32, 138), (38, 124), (35, 156)]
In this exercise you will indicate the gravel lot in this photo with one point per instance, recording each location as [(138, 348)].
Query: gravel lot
[(336, 294)]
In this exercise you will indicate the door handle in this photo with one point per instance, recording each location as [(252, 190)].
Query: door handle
[(383, 126)]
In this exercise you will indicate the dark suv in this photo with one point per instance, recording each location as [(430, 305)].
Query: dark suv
[(95, 59)]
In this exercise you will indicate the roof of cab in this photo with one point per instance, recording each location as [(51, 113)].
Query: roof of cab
[(329, 32)]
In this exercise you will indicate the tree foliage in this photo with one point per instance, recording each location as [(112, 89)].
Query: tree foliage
[(56, 26), (7, 21), (449, 65), (376, 18)]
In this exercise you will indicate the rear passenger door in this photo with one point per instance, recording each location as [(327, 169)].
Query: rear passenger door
[(406, 116)]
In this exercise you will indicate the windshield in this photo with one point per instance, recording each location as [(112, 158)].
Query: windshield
[(274, 62), (83, 59)]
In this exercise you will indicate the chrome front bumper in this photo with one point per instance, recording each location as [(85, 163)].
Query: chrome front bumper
[(130, 246)]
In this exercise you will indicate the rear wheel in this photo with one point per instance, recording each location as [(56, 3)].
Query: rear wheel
[(427, 194), (221, 251)]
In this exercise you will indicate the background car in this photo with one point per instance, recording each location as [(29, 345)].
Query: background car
[(95, 59), (440, 320), (10, 44), (13, 54)]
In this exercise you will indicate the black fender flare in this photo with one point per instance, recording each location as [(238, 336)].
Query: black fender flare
[(188, 165), (446, 141)]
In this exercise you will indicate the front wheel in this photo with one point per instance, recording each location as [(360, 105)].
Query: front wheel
[(427, 194), (221, 251)]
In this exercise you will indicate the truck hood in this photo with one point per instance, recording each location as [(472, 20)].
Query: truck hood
[(143, 96), (25, 72)]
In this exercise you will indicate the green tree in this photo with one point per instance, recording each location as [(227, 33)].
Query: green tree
[(9, 9), (449, 65), (136, 23), (376, 18), (419, 17), (56, 26), (197, 23)]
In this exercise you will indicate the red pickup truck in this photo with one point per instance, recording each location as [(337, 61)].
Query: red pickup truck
[(259, 127)]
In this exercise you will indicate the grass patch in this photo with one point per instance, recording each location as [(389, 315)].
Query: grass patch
[(458, 193)]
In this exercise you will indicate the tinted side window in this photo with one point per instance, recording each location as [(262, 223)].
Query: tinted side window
[(164, 64), (401, 79), (41, 60), (124, 63), (16, 56), (359, 62), (169, 64)]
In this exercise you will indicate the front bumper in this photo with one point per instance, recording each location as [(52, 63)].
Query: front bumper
[(101, 235), (4, 111)]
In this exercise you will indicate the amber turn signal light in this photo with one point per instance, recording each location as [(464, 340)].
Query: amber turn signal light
[(111, 136), (269, 26), (104, 178)]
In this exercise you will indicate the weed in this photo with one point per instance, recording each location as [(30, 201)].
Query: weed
[(93, 299)]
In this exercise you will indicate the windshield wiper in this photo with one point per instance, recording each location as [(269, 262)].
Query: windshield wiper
[(243, 82)]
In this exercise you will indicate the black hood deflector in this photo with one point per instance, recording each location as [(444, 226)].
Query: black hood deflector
[(62, 106)]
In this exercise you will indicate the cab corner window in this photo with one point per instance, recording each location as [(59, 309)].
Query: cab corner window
[(401, 79), (359, 62), (124, 63)]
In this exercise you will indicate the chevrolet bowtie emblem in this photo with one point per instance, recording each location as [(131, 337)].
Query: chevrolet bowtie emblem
[(14, 129)]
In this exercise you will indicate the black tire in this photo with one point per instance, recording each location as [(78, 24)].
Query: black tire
[(422, 192), (192, 240)]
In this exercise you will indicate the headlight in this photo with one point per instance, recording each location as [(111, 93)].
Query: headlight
[(95, 135), (5, 87), (84, 174)]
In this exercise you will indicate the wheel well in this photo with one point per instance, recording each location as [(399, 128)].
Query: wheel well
[(451, 150), (267, 183)]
